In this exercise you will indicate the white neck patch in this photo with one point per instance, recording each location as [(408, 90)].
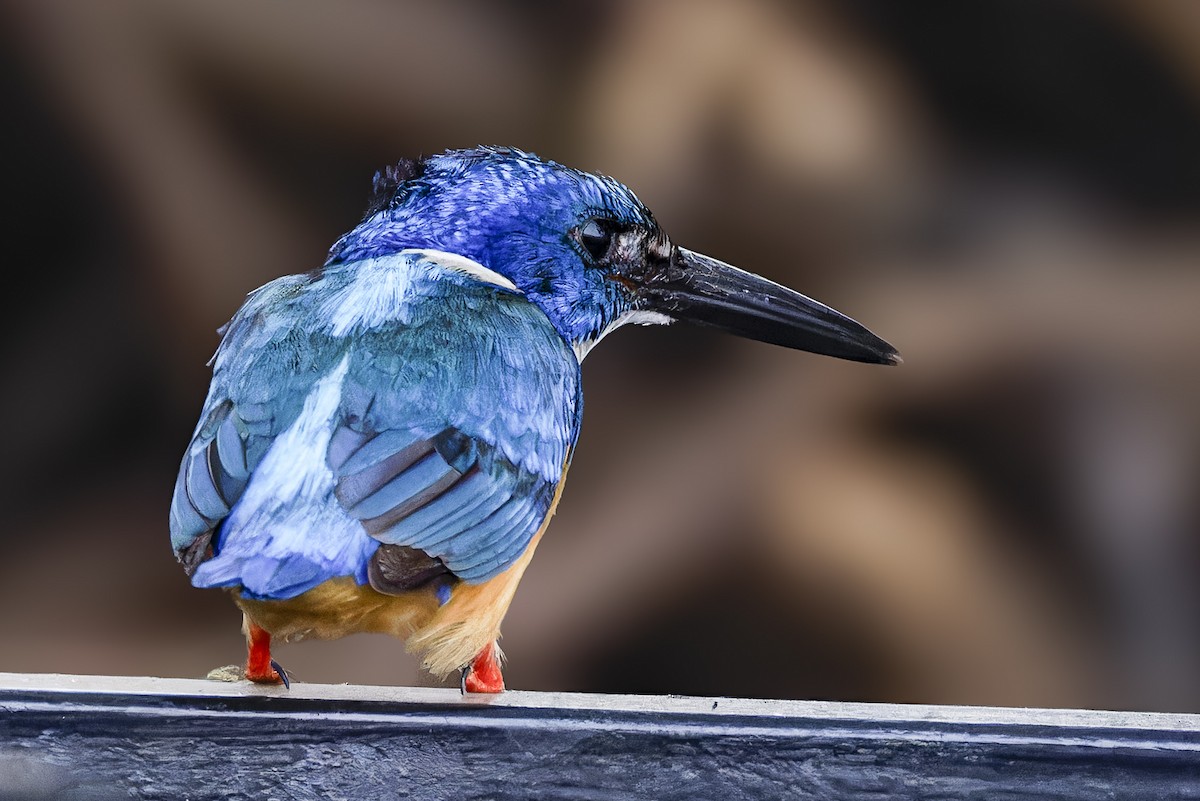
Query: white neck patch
[(584, 347), (461, 264)]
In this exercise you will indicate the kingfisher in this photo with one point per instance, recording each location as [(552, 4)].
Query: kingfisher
[(385, 438)]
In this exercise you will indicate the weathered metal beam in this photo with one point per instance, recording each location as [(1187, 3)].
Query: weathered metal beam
[(95, 737)]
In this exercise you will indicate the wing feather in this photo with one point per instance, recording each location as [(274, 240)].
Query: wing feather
[(458, 406), (406, 492), (458, 512)]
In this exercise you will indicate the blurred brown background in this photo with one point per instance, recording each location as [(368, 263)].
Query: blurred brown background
[(1007, 191)]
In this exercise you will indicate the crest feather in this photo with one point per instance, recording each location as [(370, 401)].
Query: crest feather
[(387, 183)]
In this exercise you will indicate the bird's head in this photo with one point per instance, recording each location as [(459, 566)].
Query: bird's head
[(587, 252)]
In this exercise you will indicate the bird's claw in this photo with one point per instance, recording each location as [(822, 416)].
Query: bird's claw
[(283, 674)]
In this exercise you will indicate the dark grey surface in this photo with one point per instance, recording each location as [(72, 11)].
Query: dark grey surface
[(181, 740)]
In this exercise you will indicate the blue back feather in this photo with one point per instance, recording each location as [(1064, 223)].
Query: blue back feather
[(442, 407)]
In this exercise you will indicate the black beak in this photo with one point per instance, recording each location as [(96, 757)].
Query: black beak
[(705, 291)]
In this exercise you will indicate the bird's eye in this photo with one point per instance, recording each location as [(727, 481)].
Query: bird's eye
[(596, 237)]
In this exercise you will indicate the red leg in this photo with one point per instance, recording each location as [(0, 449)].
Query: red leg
[(259, 665), (484, 676)]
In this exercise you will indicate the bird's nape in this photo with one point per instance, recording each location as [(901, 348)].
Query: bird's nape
[(698, 289)]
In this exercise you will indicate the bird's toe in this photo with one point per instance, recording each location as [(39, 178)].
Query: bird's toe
[(272, 674), (483, 675)]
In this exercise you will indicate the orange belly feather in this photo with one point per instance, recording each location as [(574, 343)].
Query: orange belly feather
[(446, 636)]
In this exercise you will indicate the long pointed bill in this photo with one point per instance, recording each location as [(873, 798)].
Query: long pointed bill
[(713, 293)]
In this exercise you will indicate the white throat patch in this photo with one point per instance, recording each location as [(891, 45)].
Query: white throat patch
[(583, 348)]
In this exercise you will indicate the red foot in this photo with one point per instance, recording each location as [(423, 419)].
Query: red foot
[(259, 666), (484, 676)]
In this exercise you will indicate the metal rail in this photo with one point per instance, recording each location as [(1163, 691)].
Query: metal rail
[(99, 737)]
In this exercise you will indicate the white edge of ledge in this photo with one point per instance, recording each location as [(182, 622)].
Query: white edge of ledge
[(669, 705)]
